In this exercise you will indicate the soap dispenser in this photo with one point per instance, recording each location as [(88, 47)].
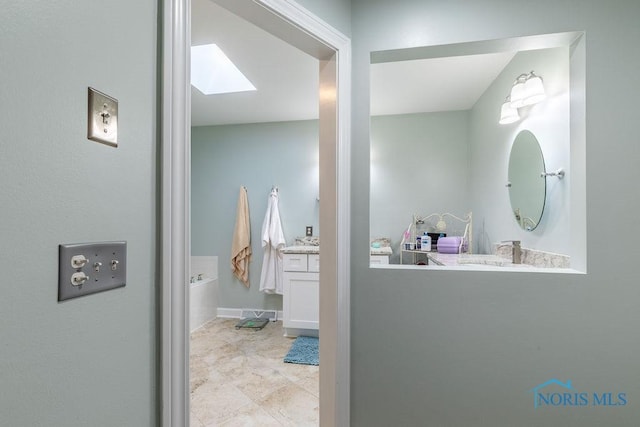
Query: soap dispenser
[(425, 243)]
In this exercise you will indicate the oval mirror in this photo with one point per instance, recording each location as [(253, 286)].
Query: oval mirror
[(527, 189)]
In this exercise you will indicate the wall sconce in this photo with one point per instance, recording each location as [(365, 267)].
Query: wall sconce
[(526, 90), (508, 114)]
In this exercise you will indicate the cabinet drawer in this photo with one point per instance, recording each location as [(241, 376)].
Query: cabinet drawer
[(379, 259), (294, 262), (314, 263)]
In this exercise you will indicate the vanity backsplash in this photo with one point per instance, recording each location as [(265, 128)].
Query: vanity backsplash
[(307, 241), (534, 257)]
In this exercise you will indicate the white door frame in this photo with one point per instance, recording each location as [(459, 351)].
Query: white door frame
[(299, 27)]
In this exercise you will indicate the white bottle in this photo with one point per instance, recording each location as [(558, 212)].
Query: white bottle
[(425, 243)]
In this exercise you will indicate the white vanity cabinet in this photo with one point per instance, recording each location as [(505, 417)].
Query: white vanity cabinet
[(379, 259), (379, 255), (301, 299)]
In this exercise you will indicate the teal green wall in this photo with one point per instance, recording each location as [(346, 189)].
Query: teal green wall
[(90, 361), (453, 348), (257, 156), (419, 165), (466, 348)]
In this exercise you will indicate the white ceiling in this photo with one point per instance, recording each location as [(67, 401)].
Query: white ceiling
[(437, 84), (287, 78)]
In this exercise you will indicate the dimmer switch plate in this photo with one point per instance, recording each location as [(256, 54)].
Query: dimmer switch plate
[(102, 118), (87, 268)]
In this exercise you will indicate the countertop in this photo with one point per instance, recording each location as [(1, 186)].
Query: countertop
[(301, 249), (384, 250), (478, 262), (309, 249), (455, 260)]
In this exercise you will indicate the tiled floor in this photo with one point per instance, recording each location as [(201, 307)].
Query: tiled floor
[(238, 378)]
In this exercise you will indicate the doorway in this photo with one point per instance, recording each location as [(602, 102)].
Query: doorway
[(305, 31), (258, 140)]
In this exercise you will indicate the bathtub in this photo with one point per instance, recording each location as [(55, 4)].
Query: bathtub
[(203, 302), (203, 293)]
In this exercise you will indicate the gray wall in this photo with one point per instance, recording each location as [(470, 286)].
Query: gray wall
[(419, 165), (89, 361), (466, 348), (257, 156)]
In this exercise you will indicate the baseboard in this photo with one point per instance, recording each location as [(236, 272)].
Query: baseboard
[(297, 332), (236, 313)]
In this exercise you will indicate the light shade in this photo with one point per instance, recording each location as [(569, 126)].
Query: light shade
[(212, 72), (508, 114), (527, 90), (517, 94), (533, 89)]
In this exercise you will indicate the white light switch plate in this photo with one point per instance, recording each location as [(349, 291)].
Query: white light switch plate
[(102, 118)]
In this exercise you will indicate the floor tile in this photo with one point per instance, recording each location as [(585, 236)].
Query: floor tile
[(292, 406), (238, 378)]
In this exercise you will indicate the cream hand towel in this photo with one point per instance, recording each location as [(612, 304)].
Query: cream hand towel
[(241, 245)]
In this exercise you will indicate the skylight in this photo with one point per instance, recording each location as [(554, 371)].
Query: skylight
[(212, 72)]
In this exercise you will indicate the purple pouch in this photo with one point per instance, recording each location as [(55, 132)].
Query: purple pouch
[(449, 245)]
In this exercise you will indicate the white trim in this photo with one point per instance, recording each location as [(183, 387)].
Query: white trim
[(335, 288), (343, 356), (229, 313), (335, 272), (236, 313), (176, 110), (309, 23)]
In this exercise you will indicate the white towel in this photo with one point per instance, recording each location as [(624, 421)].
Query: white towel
[(241, 245), (272, 242)]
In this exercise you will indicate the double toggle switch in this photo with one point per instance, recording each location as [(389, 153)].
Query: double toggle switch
[(87, 268), (79, 278)]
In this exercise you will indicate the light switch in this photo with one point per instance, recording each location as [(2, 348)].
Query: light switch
[(102, 118), (87, 268)]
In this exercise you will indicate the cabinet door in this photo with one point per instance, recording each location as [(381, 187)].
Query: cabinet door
[(301, 300), (314, 263)]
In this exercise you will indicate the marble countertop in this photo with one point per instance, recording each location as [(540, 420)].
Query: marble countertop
[(532, 261), (455, 260), (442, 259), (384, 250), (472, 259), (301, 249), (308, 249)]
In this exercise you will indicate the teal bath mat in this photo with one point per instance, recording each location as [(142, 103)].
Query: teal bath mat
[(304, 351)]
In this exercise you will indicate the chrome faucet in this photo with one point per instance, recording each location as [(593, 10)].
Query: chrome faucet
[(516, 251)]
